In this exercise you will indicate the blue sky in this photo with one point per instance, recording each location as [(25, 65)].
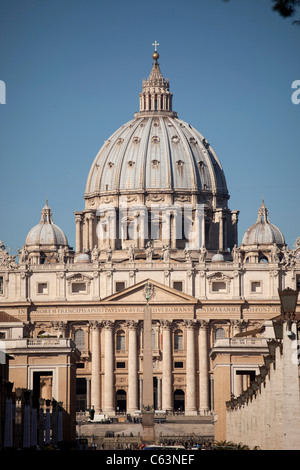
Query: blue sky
[(73, 70)]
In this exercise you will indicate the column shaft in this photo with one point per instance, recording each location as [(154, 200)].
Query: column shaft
[(203, 368), (132, 370), (109, 391), (96, 367), (190, 408), (167, 392)]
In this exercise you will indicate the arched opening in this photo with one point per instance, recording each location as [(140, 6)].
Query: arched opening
[(121, 401), (178, 340), (120, 340), (79, 339), (179, 400), (220, 333)]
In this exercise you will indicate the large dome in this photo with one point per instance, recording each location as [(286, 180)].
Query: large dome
[(156, 151), (157, 181)]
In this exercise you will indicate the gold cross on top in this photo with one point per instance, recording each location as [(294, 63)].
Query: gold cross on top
[(155, 44)]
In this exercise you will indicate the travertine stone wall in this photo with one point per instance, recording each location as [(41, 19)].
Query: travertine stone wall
[(271, 419)]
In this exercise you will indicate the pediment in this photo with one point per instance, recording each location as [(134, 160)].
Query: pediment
[(161, 294)]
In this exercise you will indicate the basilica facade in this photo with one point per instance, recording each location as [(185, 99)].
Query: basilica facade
[(155, 228)]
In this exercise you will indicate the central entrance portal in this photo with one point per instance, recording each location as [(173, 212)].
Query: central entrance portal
[(121, 401), (179, 400)]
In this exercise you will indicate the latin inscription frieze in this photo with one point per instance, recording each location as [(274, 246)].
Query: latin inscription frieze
[(112, 309)]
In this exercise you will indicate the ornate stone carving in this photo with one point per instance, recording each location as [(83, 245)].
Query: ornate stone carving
[(182, 198), (95, 254), (155, 197), (6, 259)]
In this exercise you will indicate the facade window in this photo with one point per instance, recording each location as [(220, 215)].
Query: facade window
[(121, 365), (153, 340), (78, 288), (2, 335), (1, 286), (220, 333), (177, 285), (219, 286), (42, 288), (178, 340), (120, 286), (256, 287), (120, 341), (79, 338), (178, 365)]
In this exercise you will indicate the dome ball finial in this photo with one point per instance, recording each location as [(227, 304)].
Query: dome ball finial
[(155, 55)]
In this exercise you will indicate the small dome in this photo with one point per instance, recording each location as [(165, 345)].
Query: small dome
[(263, 232), (46, 232), (83, 258), (218, 258)]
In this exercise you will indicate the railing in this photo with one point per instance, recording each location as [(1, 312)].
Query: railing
[(240, 342), (42, 342), (39, 342)]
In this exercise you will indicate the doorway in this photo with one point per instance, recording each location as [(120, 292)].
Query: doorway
[(179, 400), (121, 401)]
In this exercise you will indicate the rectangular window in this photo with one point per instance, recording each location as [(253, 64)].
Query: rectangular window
[(120, 286), (219, 286), (178, 342), (256, 287), (178, 365), (121, 365), (78, 288), (42, 288), (177, 285), (120, 342), (1, 286)]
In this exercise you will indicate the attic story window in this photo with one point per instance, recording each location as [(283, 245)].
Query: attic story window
[(219, 286), (42, 288), (78, 287)]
